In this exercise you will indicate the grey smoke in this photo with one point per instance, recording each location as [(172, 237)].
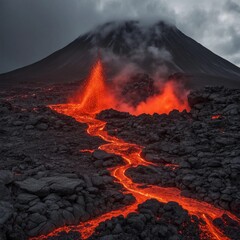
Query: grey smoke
[(137, 41)]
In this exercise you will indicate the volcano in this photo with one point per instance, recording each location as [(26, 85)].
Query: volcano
[(160, 47), (114, 156)]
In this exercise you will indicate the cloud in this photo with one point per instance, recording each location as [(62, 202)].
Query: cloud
[(31, 30), (147, 10), (233, 6), (214, 24)]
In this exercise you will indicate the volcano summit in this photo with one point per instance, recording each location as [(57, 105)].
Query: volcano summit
[(158, 48)]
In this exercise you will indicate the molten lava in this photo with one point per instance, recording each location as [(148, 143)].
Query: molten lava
[(131, 153), (95, 95), (86, 151), (215, 117), (163, 102)]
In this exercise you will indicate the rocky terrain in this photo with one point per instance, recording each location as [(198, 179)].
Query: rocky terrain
[(154, 220), (138, 88), (198, 152), (47, 179), (52, 174)]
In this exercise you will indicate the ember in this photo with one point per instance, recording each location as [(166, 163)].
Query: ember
[(87, 150), (215, 117)]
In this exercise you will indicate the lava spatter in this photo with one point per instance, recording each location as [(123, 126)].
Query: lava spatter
[(216, 117), (95, 95)]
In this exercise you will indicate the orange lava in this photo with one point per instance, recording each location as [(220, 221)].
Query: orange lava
[(87, 150), (131, 153), (215, 117), (164, 102), (96, 95)]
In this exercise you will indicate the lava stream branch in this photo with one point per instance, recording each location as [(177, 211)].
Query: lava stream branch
[(131, 153), (94, 97)]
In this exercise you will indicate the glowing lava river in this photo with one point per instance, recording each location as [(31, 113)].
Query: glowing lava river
[(131, 153)]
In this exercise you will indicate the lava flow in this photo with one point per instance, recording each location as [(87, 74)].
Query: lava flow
[(131, 153)]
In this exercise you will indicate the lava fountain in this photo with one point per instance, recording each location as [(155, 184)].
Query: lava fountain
[(92, 101), (94, 96)]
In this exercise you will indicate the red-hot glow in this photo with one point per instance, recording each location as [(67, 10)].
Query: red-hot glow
[(87, 151), (96, 96), (131, 153), (215, 117), (163, 102)]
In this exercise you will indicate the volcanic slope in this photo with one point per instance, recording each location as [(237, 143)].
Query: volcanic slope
[(160, 47)]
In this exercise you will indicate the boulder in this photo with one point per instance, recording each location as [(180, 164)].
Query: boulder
[(32, 185), (97, 181), (6, 211), (25, 198), (63, 185), (6, 176), (42, 126), (102, 155)]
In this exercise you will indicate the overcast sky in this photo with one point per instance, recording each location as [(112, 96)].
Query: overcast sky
[(32, 29)]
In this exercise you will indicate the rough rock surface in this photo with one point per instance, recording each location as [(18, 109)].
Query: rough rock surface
[(154, 220), (53, 175), (63, 200), (196, 151), (137, 89), (47, 179)]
